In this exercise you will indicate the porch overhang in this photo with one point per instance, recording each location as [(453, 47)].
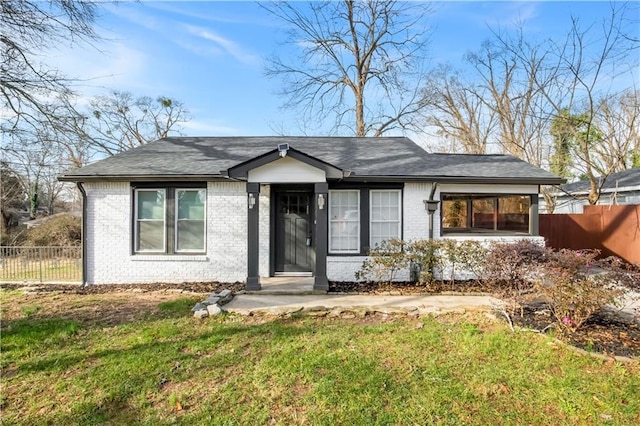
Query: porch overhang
[(241, 171)]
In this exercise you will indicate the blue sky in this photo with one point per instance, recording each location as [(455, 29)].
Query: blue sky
[(210, 54)]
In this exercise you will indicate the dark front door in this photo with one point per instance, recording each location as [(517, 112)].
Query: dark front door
[(293, 243)]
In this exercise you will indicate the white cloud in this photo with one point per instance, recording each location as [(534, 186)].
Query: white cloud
[(230, 47)]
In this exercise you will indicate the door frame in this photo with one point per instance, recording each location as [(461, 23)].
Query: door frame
[(277, 189)]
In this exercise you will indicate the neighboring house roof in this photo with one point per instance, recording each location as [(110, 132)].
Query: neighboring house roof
[(360, 159), (625, 180)]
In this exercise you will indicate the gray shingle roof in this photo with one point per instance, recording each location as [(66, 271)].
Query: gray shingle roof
[(622, 179), (392, 157)]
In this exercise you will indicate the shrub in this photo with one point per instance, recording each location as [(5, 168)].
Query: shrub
[(575, 288), (446, 256), (58, 230), (384, 262), (458, 257), (510, 269), (424, 253)]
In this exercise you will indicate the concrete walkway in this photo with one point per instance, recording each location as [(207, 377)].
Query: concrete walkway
[(247, 304)]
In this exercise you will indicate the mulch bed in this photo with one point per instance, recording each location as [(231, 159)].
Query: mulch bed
[(606, 332), (204, 287)]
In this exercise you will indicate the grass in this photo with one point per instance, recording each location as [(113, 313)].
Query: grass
[(163, 367), (16, 269)]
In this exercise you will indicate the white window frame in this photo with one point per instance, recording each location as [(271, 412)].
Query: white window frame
[(357, 249), (176, 220), (137, 220), (371, 221)]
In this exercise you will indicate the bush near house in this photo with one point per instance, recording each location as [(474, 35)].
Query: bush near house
[(59, 230), (574, 283)]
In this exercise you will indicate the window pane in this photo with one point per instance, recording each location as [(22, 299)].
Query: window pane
[(344, 221), (190, 235), (150, 204), (150, 235), (191, 204), (385, 216), (454, 213), (483, 213), (513, 213)]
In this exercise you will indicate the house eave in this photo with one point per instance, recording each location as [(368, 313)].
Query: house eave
[(142, 178), (346, 177), (456, 179)]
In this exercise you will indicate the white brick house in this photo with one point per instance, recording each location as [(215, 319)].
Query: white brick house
[(241, 209)]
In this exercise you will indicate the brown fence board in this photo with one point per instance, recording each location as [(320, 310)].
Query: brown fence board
[(615, 230)]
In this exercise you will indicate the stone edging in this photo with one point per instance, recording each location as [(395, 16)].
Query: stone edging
[(212, 305)]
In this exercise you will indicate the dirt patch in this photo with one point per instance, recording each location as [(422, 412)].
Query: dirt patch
[(104, 310), (606, 332)]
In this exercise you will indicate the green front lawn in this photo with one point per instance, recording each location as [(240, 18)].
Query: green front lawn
[(158, 365)]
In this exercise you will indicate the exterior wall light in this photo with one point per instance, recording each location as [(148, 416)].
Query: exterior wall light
[(320, 201), (252, 200)]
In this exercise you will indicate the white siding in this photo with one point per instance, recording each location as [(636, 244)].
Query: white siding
[(108, 239), (108, 235), (416, 222), (287, 170)]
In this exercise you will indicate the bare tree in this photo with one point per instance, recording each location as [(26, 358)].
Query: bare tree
[(37, 161), (528, 85), (359, 62), (514, 97), (27, 28), (457, 110), (120, 121), (12, 195), (586, 62), (618, 118)]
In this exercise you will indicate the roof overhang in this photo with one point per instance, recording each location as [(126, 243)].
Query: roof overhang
[(141, 178), (241, 171), (458, 179)]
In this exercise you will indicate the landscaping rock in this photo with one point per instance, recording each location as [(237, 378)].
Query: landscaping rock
[(199, 307), (225, 296), (202, 313), (214, 310), (211, 300), (284, 310)]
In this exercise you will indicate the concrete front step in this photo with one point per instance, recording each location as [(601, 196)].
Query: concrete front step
[(285, 292)]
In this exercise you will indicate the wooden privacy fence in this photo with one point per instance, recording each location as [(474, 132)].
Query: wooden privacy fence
[(615, 230), (40, 264)]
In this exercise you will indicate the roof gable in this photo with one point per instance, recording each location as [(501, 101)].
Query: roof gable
[(242, 170)]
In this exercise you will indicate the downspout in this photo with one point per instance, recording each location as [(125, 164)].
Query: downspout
[(83, 233), (433, 202), (431, 206)]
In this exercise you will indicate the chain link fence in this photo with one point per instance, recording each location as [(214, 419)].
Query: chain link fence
[(40, 264)]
